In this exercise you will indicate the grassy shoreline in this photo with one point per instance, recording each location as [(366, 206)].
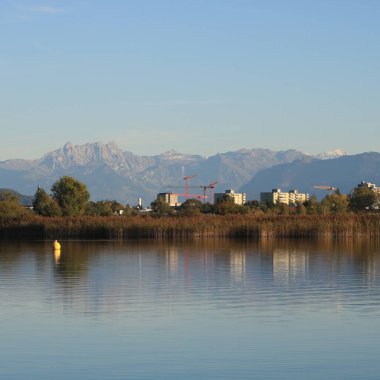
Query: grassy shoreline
[(203, 226)]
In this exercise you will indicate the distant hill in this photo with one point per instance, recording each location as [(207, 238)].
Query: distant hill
[(344, 172), (110, 173)]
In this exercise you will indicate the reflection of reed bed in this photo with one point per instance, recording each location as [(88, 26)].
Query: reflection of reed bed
[(229, 226), (341, 244)]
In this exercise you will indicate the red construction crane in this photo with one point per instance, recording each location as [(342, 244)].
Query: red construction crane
[(187, 183), (211, 186), (187, 187)]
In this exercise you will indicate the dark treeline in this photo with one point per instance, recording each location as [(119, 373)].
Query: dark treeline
[(68, 213), (157, 227)]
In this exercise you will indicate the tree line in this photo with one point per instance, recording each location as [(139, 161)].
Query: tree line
[(70, 197)]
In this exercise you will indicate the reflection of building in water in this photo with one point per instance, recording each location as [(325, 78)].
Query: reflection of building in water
[(172, 259), (372, 269), (237, 264), (289, 266)]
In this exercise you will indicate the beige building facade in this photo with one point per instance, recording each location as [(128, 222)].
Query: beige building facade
[(277, 196), (238, 198), (170, 198)]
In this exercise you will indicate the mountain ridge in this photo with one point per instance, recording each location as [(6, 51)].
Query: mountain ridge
[(111, 173), (344, 172)]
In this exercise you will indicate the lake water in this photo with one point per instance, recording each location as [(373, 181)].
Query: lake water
[(215, 310)]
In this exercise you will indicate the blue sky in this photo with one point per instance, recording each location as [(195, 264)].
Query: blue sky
[(199, 76)]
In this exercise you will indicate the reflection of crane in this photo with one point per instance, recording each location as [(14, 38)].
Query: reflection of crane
[(211, 186), (323, 187)]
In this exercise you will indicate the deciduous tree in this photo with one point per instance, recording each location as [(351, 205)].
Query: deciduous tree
[(71, 195), (106, 208), (160, 207), (10, 206), (44, 204), (335, 203), (191, 207), (362, 198)]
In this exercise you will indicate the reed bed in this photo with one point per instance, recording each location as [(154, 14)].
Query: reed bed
[(164, 227)]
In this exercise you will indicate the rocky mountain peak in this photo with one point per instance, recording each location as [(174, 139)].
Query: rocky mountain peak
[(79, 155), (111, 173), (331, 154), (174, 155)]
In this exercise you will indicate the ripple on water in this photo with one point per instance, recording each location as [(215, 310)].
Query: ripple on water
[(142, 311)]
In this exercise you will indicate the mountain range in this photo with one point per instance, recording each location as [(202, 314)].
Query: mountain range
[(111, 173)]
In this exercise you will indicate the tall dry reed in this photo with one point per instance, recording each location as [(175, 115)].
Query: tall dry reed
[(230, 226)]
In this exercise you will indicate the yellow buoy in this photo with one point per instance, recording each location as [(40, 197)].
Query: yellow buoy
[(56, 245)]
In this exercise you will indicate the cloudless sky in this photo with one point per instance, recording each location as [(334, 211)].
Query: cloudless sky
[(199, 76)]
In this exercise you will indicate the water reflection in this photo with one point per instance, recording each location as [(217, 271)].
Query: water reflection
[(237, 264), (100, 276), (206, 309), (289, 266), (57, 256)]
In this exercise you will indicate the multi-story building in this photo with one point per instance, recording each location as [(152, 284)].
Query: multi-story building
[(238, 198), (277, 196), (274, 197), (296, 197), (170, 198)]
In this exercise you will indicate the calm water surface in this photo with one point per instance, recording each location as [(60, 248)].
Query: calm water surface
[(216, 310)]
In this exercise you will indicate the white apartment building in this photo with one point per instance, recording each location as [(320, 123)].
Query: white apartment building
[(296, 197), (277, 196), (238, 198)]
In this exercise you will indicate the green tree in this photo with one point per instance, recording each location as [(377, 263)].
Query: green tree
[(191, 207), (100, 208), (118, 207), (226, 205), (44, 204), (71, 195), (252, 204), (160, 207), (106, 208), (10, 206), (362, 198), (335, 203), (253, 207), (311, 205)]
